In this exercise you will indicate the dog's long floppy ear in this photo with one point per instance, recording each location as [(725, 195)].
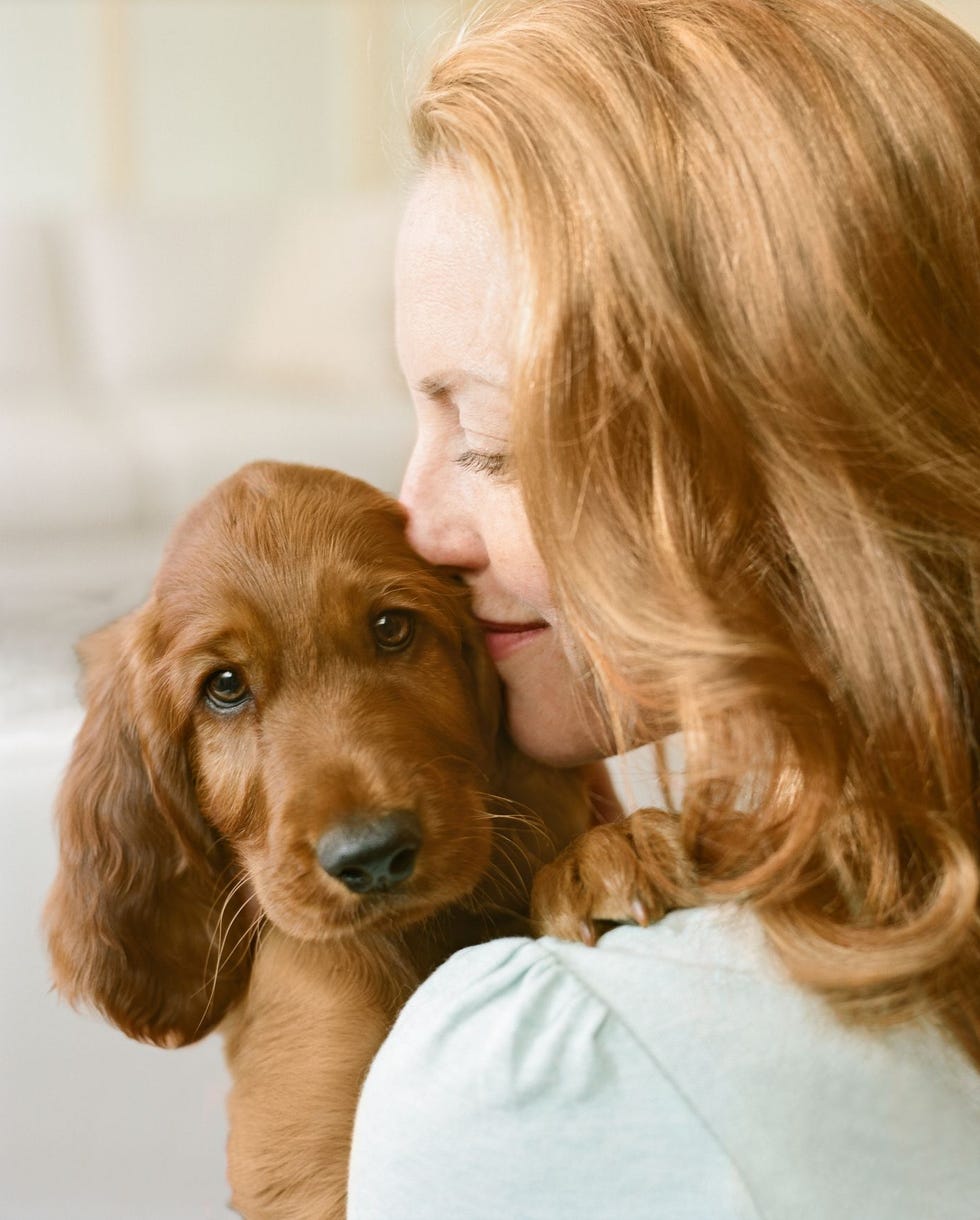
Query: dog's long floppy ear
[(133, 916)]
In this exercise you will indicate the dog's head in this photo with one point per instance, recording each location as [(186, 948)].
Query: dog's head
[(298, 725)]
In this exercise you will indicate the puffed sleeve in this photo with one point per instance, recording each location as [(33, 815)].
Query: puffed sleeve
[(509, 1090)]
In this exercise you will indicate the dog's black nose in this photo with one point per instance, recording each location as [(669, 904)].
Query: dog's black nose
[(370, 854)]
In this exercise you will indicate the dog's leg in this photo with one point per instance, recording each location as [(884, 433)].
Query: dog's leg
[(298, 1049)]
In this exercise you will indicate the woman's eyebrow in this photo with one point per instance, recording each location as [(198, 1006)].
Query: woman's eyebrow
[(437, 384)]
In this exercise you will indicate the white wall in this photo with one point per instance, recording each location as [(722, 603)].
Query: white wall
[(197, 203), (188, 101), (966, 12)]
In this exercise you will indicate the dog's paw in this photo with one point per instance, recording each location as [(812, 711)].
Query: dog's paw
[(595, 883)]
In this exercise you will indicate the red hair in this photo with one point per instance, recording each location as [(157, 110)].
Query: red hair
[(746, 394)]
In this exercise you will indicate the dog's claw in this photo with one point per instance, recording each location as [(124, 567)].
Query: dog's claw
[(587, 933), (640, 913)]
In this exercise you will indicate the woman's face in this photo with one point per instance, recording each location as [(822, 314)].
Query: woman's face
[(454, 300)]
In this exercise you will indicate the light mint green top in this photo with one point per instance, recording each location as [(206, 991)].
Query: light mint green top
[(672, 1072)]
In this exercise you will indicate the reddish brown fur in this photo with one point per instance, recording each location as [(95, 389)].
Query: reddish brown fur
[(189, 893)]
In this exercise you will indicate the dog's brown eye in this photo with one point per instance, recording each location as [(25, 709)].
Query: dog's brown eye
[(394, 630), (226, 689)]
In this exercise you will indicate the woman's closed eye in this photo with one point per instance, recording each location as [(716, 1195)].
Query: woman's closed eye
[(494, 464)]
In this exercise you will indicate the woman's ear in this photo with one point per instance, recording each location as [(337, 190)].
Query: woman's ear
[(134, 917)]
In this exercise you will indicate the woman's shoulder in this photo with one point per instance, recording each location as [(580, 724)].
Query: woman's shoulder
[(726, 1089), (527, 1006), (709, 963), (525, 980), (506, 1085)]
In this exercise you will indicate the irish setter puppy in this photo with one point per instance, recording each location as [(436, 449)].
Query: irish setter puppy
[(290, 799)]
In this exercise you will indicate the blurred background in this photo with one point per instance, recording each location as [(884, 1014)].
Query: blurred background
[(198, 201)]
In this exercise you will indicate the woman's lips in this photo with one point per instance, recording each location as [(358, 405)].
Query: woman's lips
[(505, 638)]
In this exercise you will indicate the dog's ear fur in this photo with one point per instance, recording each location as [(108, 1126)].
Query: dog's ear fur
[(134, 917)]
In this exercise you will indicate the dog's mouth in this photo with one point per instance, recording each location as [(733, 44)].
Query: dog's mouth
[(381, 911), (325, 916)]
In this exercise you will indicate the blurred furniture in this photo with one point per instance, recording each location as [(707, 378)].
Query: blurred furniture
[(143, 356)]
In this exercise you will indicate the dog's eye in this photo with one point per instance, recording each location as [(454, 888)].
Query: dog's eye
[(394, 630), (226, 690)]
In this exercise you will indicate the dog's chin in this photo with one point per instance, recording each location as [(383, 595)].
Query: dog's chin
[(384, 912)]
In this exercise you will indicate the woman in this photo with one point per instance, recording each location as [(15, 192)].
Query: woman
[(688, 300)]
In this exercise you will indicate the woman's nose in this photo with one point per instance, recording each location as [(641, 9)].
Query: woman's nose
[(442, 524)]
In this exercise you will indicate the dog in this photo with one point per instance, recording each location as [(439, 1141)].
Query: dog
[(290, 799)]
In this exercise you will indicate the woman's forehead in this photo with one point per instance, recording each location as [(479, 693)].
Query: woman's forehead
[(453, 287), (448, 207)]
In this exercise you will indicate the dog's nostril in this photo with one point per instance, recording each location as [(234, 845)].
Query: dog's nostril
[(403, 863), (370, 854)]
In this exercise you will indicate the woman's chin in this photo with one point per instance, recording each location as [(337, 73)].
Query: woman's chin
[(551, 711), (561, 732)]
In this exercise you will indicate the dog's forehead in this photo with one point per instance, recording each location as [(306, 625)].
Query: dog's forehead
[(275, 513), (287, 541)]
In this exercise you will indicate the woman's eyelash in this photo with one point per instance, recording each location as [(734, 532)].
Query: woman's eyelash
[(483, 463)]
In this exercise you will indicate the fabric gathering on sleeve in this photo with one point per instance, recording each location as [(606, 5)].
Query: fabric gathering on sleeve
[(507, 1088)]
